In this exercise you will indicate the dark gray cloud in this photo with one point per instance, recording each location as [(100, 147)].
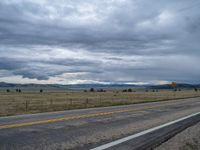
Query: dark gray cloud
[(99, 41)]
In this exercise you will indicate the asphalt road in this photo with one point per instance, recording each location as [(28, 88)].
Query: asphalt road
[(88, 128)]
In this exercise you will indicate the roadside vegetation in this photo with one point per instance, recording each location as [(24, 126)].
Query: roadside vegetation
[(13, 102)]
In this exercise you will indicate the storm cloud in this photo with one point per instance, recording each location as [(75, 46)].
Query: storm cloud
[(99, 41)]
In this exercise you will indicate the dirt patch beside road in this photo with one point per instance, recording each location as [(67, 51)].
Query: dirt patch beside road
[(189, 139)]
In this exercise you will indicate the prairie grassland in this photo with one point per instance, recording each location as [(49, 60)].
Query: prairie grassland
[(13, 103)]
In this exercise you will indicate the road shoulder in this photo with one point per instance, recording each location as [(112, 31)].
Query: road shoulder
[(188, 139)]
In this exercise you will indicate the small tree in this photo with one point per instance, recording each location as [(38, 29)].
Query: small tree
[(129, 90), (7, 90), (19, 91), (173, 85), (92, 90), (195, 89), (41, 90)]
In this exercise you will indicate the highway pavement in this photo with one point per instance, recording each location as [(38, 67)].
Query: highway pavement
[(89, 128)]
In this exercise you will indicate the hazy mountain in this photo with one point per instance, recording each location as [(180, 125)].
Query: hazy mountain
[(85, 86)]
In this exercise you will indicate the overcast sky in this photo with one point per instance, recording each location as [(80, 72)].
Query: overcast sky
[(99, 41)]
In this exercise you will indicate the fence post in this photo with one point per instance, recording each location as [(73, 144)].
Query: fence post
[(26, 105), (66, 105), (71, 102), (100, 99), (86, 102), (51, 103)]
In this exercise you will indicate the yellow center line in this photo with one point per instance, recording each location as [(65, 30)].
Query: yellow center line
[(77, 117)]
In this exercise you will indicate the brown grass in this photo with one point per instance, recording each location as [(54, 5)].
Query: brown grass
[(31, 102)]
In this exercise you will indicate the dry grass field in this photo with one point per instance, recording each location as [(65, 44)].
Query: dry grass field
[(14, 103)]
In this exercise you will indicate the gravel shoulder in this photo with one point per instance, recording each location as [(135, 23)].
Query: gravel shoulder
[(189, 139)]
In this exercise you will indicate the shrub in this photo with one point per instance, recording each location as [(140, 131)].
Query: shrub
[(101, 90), (125, 90), (18, 90)]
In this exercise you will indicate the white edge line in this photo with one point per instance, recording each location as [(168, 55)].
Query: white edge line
[(108, 145)]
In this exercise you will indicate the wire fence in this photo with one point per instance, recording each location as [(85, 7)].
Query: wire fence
[(13, 103)]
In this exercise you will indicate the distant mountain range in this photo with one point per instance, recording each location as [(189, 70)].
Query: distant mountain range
[(60, 86), (85, 86), (179, 85)]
